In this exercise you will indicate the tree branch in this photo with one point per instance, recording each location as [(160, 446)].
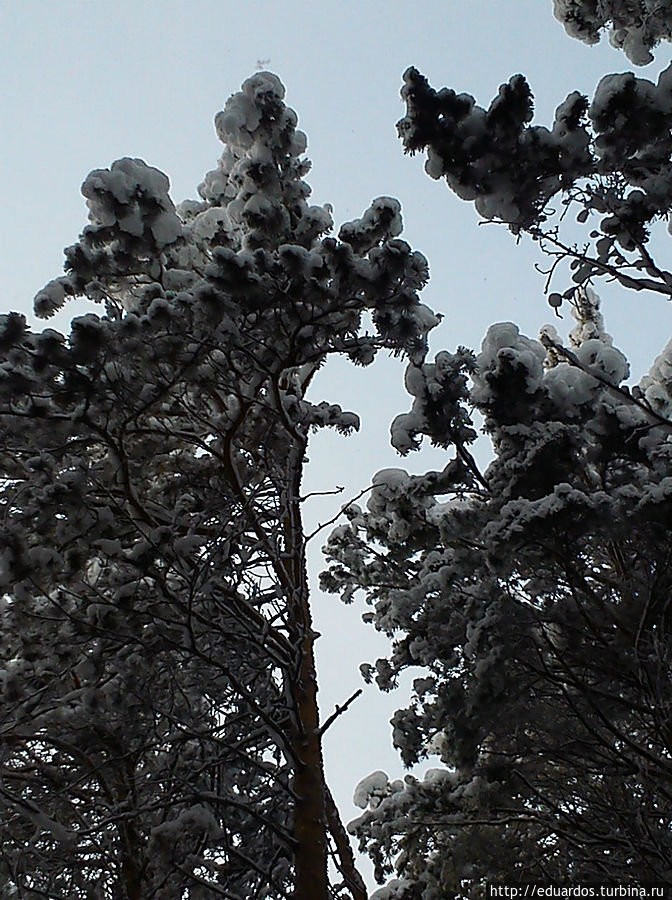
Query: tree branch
[(345, 862), (339, 710)]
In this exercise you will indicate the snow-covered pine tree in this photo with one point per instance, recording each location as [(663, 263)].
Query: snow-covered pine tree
[(532, 597), (159, 728)]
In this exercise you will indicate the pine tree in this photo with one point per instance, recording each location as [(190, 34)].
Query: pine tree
[(533, 595), (160, 734), (534, 599)]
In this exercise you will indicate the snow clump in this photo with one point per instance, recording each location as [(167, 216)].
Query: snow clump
[(371, 789), (133, 197)]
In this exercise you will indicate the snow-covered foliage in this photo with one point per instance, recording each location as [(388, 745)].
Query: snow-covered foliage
[(608, 159), (159, 732), (635, 26), (532, 597), (534, 600)]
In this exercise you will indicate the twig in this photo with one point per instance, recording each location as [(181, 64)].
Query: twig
[(339, 709), (338, 490), (322, 525), (637, 284)]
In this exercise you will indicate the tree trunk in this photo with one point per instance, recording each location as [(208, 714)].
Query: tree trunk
[(131, 877), (310, 824)]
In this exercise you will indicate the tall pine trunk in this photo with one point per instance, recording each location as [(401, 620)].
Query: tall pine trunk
[(310, 823), (310, 817)]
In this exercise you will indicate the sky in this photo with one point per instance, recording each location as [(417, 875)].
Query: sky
[(84, 83)]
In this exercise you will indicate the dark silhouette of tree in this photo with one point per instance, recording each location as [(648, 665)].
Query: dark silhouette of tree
[(533, 596), (160, 733)]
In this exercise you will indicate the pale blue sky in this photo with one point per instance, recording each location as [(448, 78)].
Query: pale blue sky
[(86, 82)]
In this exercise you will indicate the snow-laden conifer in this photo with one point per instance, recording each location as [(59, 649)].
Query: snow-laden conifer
[(159, 730), (531, 596), (533, 601)]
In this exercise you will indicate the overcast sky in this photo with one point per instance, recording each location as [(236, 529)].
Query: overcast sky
[(86, 82)]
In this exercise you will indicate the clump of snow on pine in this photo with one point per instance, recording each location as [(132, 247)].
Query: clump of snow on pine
[(387, 485), (437, 744), (436, 776), (372, 787), (585, 310), (504, 343), (196, 817), (609, 361), (316, 220), (506, 336), (656, 386), (573, 140), (52, 297), (423, 382), (612, 87), (570, 388), (501, 206), (210, 222), (404, 429), (241, 113), (388, 481), (134, 197), (393, 890), (381, 221), (635, 28)]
